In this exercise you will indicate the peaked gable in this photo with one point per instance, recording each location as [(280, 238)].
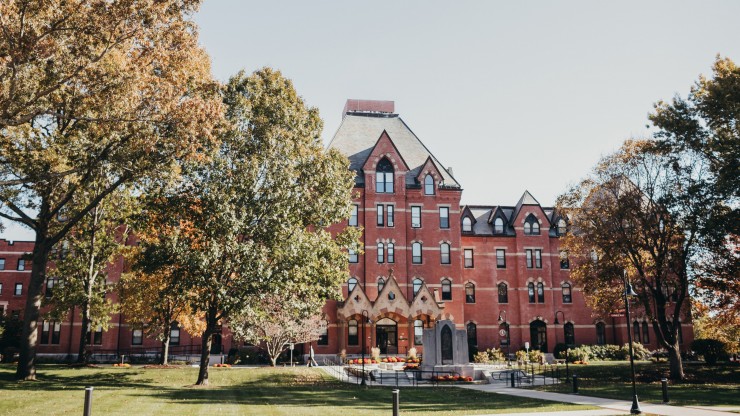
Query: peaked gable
[(430, 168), (521, 213), (385, 148)]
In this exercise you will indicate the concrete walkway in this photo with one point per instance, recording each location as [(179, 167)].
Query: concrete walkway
[(608, 406), (599, 412), (620, 406)]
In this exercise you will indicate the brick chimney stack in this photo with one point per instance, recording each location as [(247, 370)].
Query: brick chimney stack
[(368, 106)]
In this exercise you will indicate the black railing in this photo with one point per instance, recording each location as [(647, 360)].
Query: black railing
[(145, 354)]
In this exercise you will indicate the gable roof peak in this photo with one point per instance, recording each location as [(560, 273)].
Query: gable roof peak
[(527, 199)]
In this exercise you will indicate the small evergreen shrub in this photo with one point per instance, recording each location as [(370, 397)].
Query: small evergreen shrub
[(711, 349)]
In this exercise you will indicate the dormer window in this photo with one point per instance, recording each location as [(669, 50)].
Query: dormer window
[(531, 226), (562, 227), (384, 177), (467, 225), (428, 185), (498, 226)]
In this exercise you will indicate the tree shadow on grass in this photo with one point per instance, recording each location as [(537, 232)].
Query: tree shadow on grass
[(286, 390), (49, 378)]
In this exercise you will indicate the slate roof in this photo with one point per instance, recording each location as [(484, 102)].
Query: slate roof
[(358, 133), (485, 215)]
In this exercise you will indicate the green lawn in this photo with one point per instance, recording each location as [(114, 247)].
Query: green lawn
[(258, 391), (705, 385)]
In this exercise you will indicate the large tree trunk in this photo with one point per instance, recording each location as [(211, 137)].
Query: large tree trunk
[(675, 364), (84, 330), (27, 358), (205, 347)]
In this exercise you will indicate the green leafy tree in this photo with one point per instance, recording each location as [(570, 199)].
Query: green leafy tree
[(707, 124), (82, 263), (94, 94), (641, 212), (251, 219)]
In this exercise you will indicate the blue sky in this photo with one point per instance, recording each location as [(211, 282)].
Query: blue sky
[(512, 95)]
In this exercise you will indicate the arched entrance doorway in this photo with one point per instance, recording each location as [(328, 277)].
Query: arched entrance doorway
[(386, 336), (538, 335)]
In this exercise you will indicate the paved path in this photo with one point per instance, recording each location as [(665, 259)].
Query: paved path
[(599, 412), (610, 404)]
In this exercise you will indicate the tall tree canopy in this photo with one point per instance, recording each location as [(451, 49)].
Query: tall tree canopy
[(251, 219), (641, 212), (707, 123), (93, 94)]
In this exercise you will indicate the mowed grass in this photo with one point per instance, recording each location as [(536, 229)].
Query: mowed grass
[(717, 385), (59, 390)]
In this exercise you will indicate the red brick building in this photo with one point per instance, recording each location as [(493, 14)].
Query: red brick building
[(495, 270)]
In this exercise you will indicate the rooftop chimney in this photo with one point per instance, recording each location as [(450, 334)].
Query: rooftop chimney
[(368, 106)]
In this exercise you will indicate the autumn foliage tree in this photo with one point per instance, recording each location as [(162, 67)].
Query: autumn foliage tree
[(94, 94), (641, 212), (154, 302), (250, 220)]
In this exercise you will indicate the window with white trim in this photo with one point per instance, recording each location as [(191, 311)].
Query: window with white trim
[(467, 225), (498, 226), (500, 258), (446, 289), (468, 258), (444, 253), (444, 217), (567, 297), (353, 218), (351, 283), (137, 337), (531, 225), (417, 285), (428, 185), (384, 177), (415, 217), (416, 253)]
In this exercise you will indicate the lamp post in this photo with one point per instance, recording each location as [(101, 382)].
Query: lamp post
[(628, 291), (502, 320), (365, 320), (567, 349)]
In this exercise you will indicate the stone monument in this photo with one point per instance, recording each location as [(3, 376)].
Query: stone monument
[(446, 349)]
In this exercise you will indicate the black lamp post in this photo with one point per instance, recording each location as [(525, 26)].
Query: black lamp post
[(567, 349), (365, 320), (628, 291), (502, 320)]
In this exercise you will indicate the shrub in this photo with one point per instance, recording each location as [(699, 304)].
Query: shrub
[(536, 356), (608, 352), (559, 350), (489, 356), (710, 349), (641, 353), (581, 354)]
